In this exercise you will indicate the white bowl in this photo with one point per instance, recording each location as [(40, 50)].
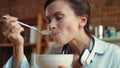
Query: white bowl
[(54, 60)]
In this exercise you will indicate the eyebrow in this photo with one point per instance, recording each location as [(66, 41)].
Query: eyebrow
[(56, 13)]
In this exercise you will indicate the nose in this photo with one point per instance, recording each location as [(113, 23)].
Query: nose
[(52, 25)]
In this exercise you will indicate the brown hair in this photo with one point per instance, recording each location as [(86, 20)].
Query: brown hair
[(81, 8)]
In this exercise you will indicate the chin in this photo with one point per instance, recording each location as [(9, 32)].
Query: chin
[(60, 43)]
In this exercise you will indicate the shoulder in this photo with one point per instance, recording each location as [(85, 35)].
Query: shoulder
[(116, 50), (115, 56), (105, 47), (109, 50)]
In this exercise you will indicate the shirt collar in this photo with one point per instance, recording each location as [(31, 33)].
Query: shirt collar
[(99, 46)]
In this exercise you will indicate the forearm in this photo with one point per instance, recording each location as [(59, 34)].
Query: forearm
[(12, 30), (18, 55)]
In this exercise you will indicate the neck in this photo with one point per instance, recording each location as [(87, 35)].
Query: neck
[(80, 43)]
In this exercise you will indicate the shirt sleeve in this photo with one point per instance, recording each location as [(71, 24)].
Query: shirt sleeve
[(24, 63), (117, 58)]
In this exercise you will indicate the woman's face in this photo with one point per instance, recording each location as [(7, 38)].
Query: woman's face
[(63, 22)]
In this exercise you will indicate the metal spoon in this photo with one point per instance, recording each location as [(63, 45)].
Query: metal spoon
[(43, 32)]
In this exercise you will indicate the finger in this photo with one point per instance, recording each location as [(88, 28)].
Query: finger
[(13, 24), (13, 38), (8, 22), (8, 27), (9, 19), (62, 66), (7, 15), (22, 29), (14, 28), (17, 30), (6, 30), (10, 35)]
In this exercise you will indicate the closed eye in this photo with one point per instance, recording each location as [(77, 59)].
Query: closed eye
[(59, 17)]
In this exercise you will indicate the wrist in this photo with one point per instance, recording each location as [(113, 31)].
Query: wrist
[(18, 50), (18, 54)]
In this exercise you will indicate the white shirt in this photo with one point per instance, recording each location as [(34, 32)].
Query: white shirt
[(106, 56)]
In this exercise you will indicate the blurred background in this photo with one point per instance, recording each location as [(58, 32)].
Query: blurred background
[(104, 24)]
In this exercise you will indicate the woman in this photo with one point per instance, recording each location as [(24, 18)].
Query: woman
[(68, 22)]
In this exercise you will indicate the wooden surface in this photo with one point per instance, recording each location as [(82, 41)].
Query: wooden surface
[(42, 40), (10, 44)]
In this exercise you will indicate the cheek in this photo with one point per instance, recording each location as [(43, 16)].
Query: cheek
[(68, 32), (68, 25), (68, 29), (64, 36), (72, 28)]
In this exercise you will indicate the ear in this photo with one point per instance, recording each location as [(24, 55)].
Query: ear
[(83, 21)]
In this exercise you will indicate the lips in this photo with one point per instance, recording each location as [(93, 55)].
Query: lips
[(54, 33)]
